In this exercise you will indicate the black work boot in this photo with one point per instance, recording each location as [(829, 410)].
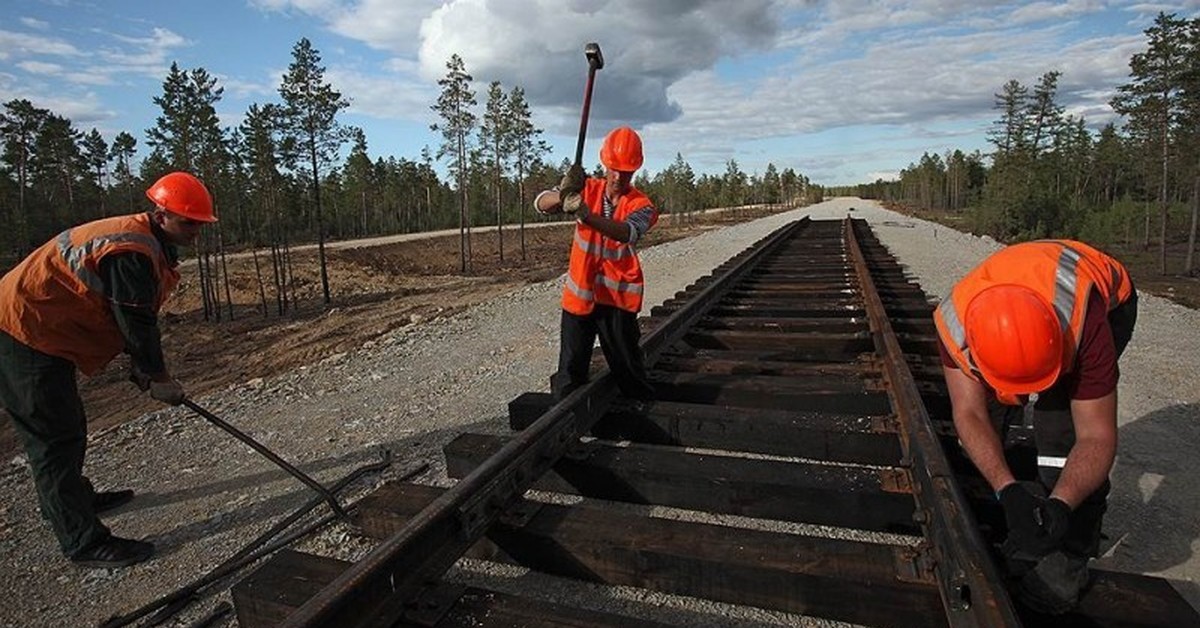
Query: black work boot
[(107, 500), (114, 552)]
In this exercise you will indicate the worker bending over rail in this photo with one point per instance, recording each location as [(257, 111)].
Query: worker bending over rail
[(75, 303), (1041, 324), (604, 286)]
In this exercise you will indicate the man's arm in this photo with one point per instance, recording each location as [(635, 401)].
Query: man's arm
[(132, 290), (1091, 459), (550, 202), (968, 398)]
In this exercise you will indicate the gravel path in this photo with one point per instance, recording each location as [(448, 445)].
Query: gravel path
[(203, 495)]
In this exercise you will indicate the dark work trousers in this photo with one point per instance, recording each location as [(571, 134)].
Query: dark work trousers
[(619, 335), (40, 393), (1054, 436)]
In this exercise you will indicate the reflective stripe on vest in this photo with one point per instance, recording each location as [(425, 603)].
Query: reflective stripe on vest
[(589, 248), (619, 286), (76, 256), (54, 300), (1068, 294), (586, 295), (604, 270), (1066, 282)]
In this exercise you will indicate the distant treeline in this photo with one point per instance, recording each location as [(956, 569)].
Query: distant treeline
[(1050, 177), (283, 176)]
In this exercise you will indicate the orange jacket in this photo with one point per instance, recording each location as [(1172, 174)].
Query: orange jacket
[(54, 300), (1063, 272), (603, 270)]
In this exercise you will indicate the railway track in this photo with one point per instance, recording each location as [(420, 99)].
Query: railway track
[(799, 458)]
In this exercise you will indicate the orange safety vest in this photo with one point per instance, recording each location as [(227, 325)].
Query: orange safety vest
[(54, 300), (604, 270), (1063, 272)]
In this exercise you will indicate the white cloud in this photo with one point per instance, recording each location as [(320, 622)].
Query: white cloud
[(312, 7), (35, 23), (1047, 11), (385, 24), (40, 67), (146, 56), (387, 97), (647, 46), (24, 44)]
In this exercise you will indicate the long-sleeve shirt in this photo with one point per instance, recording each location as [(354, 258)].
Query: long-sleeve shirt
[(132, 289)]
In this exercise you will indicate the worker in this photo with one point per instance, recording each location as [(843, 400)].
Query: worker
[(75, 303), (1036, 329), (604, 284)]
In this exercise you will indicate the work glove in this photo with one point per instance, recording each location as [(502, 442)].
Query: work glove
[(572, 182), (1036, 524), (570, 192), (169, 392), (1054, 586)]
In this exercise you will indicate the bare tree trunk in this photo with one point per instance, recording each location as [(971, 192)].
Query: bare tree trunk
[(499, 218), (1162, 196), (202, 271), (262, 291), (1189, 267), (224, 271), (1146, 232)]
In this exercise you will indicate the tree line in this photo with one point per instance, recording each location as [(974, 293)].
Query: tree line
[(292, 173), (1049, 176)]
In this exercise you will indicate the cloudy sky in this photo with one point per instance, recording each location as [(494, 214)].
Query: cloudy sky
[(843, 91)]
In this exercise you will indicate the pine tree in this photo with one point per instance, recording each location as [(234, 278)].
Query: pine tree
[(495, 135), (21, 123), (454, 107), (528, 150), (95, 153), (310, 107), (124, 147), (1153, 97)]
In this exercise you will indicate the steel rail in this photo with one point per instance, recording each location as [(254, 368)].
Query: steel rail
[(180, 598), (969, 583), (376, 590)]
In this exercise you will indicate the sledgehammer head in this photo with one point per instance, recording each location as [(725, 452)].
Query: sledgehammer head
[(595, 59)]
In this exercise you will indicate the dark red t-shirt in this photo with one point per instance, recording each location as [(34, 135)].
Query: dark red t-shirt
[(1095, 373)]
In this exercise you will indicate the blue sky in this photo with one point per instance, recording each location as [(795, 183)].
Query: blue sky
[(844, 91)]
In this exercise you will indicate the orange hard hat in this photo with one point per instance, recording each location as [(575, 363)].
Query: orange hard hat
[(183, 194), (622, 150), (1015, 339)]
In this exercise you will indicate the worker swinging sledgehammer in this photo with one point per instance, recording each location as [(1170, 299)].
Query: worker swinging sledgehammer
[(75, 303), (1041, 323)]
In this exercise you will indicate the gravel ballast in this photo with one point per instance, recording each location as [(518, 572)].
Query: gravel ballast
[(202, 495)]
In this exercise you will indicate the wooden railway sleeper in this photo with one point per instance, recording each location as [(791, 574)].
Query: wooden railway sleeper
[(895, 480), (916, 565), (432, 604)]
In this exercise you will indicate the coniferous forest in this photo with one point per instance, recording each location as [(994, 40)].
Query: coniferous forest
[(1133, 183), (292, 173)]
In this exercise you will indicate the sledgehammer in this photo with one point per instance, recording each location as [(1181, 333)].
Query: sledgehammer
[(270, 455), (595, 62)]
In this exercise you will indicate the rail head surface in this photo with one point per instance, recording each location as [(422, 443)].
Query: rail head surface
[(376, 590), (969, 582)]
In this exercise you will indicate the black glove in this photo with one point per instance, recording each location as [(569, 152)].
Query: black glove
[(1036, 524), (1054, 585), (1056, 519)]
